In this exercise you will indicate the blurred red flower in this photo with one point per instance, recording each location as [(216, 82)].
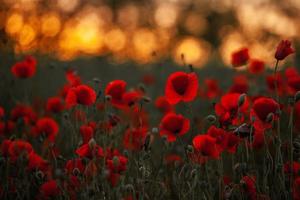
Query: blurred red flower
[(205, 147), (173, 125), (81, 94), (19, 148), (240, 57), (249, 186), (90, 150), (283, 50), (25, 68), (134, 138), (162, 104), (48, 127), (86, 132), (261, 109), (55, 104), (24, 112), (74, 164), (49, 189), (240, 84), (116, 89), (181, 86), (296, 188), (256, 66)]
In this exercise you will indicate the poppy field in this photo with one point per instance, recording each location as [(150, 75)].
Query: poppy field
[(183, 137)]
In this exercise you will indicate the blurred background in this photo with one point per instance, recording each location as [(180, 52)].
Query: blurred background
[(122, 39), (145, 31)]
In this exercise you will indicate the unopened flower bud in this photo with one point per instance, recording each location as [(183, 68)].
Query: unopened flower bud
[(190, 149), (297, 96), (92, 143), (211, 118), (242, 99), (116, 161), (270, 117)]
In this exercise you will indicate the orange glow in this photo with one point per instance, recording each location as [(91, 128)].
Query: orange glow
[(195, 52), (50, 24), (67, 5), (14, 23), (165, 15), (115, 39), (144, 43), (27, 35)]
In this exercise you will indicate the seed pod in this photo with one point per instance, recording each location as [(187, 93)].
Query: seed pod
[(146, 99), (211, 118), (270, 118), (189, 149), (242, 99), (92, 143), (108, 98), (96, 80)]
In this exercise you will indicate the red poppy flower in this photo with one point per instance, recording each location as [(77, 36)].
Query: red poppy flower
[(220, 135), (148, 79), (294, 84), (116, 164), (240, 84), (173, 125), (272, 79), (131, 98), (81, 94), (24, 112), (134, 138), (240, 57), (25, 68), (49, 189), (256, 66), (36, 162), (291, 72), (261, 109), (162, 104), (283, 50), (48, 127), (73, 79), (181, 86), (19, 148), (212, 89), (227, 109), (249, 186), (205, 147), (115, 89), (86, 132), (232, 142), (55, 105), (90, 151), (76, 163)]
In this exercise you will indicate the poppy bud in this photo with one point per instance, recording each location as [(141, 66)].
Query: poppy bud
[(270, 117), (108, 98), (211, 118), (190, 149), (141, 87), (92, 143), (155, 130), (242, 99), (76, 171), (96, 80), (116, 161), (283, 50), (146, 99), (297, 96), (39, 175)]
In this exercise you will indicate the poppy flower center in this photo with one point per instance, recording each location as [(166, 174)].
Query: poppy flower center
[(180, 84)]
